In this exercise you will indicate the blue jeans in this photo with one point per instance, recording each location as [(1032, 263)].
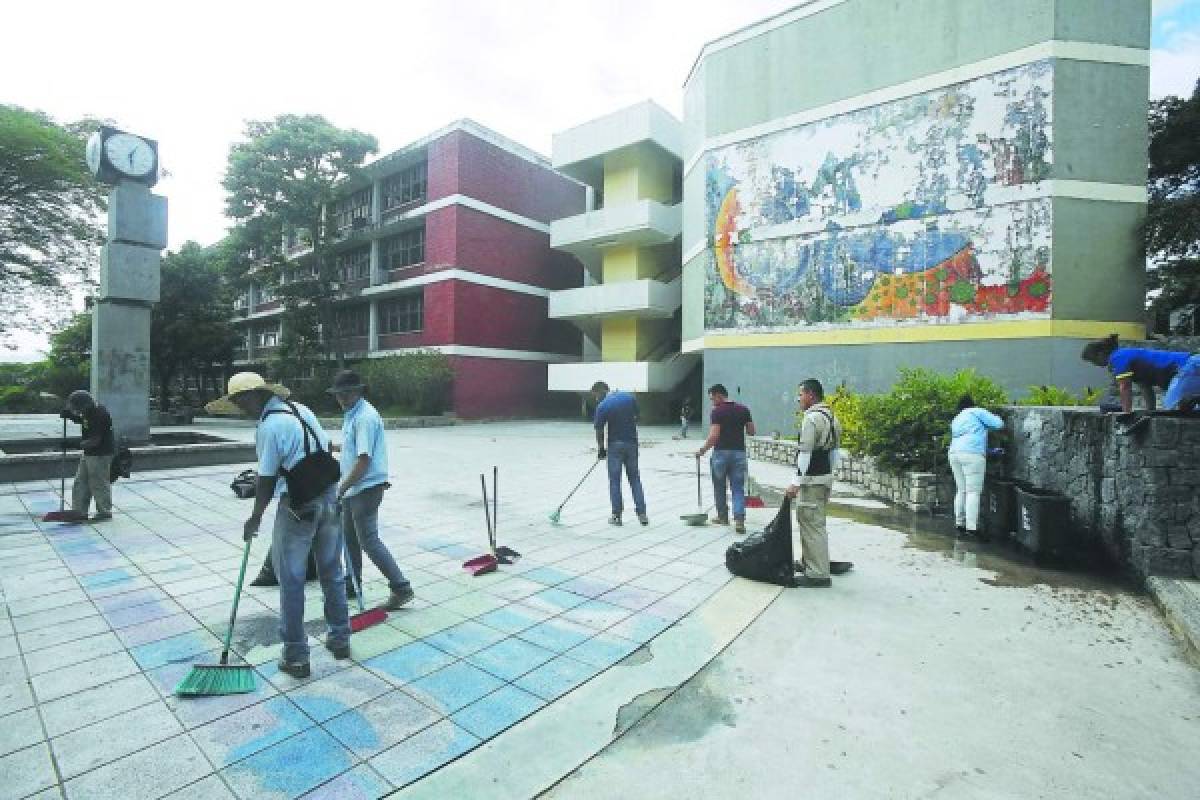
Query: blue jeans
[(360, 524), (1185, 384), (291, 539), (729, 466), (624, 454)]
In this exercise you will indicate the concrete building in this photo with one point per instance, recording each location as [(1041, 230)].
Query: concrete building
[(628, 240), (940, 183), (445, 245)]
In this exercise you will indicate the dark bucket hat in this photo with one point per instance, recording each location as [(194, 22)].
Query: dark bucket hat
[(346, 380)]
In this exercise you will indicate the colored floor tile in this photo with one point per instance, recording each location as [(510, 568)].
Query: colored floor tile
[(490, 715), (360, 783), (246, 732), (377, 639), (422, 622), (455, 686), (333, 695), (548, 576), (555, 678), (381, 722), (410, 662), (511, 658), (290, 768), (513, 618), (603, 651), (153, 772), (465, 638), (128, 732), (596, 614), (421, 754), (557, 634), (68, 680), (174, 649), (554, 600)]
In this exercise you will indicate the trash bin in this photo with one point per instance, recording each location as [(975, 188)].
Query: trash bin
[(998, 508), (1044, 522)]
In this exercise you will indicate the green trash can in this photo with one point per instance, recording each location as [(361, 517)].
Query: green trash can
[(1043, 524)]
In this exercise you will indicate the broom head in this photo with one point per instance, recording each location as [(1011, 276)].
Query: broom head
[(66, 515), (556, 516), (754, 501), (366, 619), (206, 680)]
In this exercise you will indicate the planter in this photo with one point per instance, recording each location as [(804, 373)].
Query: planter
[(1044, 523)]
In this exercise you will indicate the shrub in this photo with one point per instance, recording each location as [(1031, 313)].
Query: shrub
[(1056, 396), (909, 427), (413, 383)]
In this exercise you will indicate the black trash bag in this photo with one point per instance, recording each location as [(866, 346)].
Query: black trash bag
[(121, 465), (766, 556), (245, 484)]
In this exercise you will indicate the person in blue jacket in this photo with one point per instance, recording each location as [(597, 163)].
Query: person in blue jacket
[(968, 460), (1149, 369)]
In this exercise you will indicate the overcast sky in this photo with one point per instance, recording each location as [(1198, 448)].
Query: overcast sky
[(190, 74)]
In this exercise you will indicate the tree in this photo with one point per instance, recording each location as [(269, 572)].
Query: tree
[(189, 326), (68, 364), (282, 179), (1172, 232), (49, 217)]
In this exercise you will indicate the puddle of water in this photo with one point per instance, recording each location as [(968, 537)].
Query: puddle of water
[(1014, 569)]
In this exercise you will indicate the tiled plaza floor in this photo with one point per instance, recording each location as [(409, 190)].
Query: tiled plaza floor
[(100, 622)]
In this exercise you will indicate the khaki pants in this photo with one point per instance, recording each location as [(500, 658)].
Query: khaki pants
[(810, 522), (91, 481)]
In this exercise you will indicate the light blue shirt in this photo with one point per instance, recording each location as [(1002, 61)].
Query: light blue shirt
[(362, 435), (970, 430), (279, 439)]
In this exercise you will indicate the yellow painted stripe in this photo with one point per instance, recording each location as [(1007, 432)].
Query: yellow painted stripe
[(1017, 329)]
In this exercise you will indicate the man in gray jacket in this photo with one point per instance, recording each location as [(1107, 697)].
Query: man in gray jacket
[(820, 434)]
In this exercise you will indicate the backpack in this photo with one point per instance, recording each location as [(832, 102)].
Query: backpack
[(766, 556), (314, 473), (121, 465)]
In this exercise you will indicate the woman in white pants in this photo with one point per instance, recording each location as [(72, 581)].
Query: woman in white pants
[(968, 459)]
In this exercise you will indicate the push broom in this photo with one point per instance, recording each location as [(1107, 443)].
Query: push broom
[(62, 515), (557, 514), (364, 618), (222, 678)]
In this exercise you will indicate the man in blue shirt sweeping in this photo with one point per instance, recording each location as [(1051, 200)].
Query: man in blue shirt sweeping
[(618, 411)]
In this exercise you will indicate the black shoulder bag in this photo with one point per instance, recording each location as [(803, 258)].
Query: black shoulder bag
[(314, 473)]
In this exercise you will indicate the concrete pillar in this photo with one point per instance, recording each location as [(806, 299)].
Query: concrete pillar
[(376, 202), (376, 267), (373, 327), (129, 283)]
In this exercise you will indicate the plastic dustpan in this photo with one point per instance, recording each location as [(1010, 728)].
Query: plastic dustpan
[(480, 565), (754, 501)]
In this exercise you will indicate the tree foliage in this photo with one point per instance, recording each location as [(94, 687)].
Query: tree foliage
[(1172, 232), (282, 178), (50, 211), (189, 326)]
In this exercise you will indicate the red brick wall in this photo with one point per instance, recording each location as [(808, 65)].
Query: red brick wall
[(484, 243), (460, 163), (492, 387)]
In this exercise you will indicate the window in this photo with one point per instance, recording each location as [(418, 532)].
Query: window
[(405, 187), (266, 294), (354, 321), (242, 300), (296, 239), (405, 314), (355, 207), (354, 265), (404, 250), (267, 337)]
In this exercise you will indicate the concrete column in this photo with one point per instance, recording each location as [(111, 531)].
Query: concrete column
[(376, 202), (376, 267), (373, 327)]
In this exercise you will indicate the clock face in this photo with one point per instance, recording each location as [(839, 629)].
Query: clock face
[(129, 154)]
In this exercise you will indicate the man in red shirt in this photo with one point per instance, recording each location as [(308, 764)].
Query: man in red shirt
[(728, 426)]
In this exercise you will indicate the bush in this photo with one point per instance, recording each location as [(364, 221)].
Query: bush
[(909, 427), (413, 383), (1055, 396)]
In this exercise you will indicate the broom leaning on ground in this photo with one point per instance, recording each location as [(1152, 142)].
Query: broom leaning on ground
[(218, 679)]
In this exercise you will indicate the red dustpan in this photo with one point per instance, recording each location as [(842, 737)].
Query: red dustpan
[(481, 565)]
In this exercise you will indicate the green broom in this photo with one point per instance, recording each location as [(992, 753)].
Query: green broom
[(217, 679)]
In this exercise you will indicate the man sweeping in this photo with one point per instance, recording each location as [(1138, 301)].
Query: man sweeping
[(618, 412), (98, 445), (291, 444), (364, 479)]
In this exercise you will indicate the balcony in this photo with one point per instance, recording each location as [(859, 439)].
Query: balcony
[(648, 299), (629, 376), (646, 222)]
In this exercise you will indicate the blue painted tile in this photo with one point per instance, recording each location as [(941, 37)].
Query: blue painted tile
[(604, 650), (106, 577), (455, 686), (175, 650), (557, 634), (290, 768), (412, 661), (419, 755), (382, 722), (632, 597), (490, 715), (246, 732), (465, 638), (597, 614), (555, 678), (513, 618), (554, 600), (511, 658), (360, 783), (588, 586), (459, 551), (640, 627), (548, 575)]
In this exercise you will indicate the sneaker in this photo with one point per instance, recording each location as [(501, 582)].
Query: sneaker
[(805, 582), (100, 516), (739, 526), (265, 577), (399, 598), (642, 518), (615, 519), (350, 593), (719, 520), (297, 669), (340, 651)]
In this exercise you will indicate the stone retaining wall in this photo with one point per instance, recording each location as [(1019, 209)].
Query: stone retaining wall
[(1137, 495)]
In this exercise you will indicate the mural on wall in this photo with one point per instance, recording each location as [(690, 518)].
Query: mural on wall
[(924, 209)]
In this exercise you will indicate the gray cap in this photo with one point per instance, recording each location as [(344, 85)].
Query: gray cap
[(80, 400)]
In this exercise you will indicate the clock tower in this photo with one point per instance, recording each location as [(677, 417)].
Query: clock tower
[(129, 278)]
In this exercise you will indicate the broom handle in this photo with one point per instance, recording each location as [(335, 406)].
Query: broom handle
[(62, 470), (581, 480), (495, 506), (349, 563), (698, 500), (487, 512), (237, 594)]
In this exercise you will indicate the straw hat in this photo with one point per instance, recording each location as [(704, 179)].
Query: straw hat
[(240, 383)]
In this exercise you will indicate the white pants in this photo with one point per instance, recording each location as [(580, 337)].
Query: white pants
[(968, 469)]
